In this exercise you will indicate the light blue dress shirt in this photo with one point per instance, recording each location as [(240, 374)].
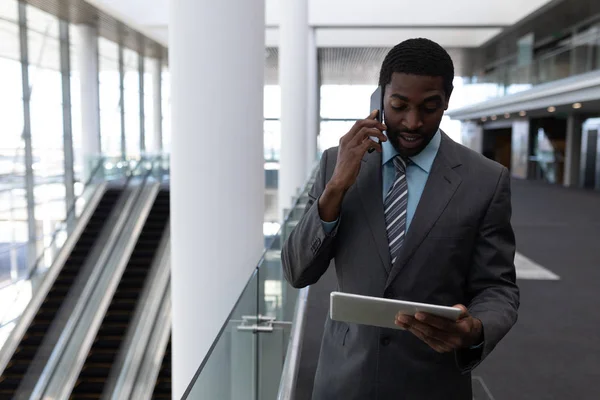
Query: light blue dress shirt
[(417, 173)]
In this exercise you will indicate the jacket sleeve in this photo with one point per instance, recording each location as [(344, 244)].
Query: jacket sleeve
[(491, 282), (308, 250)]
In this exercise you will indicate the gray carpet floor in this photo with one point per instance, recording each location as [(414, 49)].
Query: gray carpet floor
[(553, 352)]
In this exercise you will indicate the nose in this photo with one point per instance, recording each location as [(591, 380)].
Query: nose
[(412, 120)]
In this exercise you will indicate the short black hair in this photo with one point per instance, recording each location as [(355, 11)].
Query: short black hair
[(418, 57)]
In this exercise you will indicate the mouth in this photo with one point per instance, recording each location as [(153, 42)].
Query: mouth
[(409, 140)]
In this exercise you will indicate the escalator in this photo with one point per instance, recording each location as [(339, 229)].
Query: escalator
[(95, 372), (31, 341), (162, 389)]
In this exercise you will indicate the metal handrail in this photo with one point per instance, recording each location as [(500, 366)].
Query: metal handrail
[(289, 375)]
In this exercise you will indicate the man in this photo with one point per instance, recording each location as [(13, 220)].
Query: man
[(421, 219)]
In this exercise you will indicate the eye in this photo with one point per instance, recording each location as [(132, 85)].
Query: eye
[(430, 108), (398, 106)]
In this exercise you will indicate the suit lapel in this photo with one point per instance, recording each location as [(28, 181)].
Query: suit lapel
[(439, 189), (369, 186)]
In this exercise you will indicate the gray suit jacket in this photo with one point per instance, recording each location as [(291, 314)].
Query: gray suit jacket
[(459, 249)]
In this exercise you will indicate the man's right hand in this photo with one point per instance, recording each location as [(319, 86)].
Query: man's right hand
[(353, 146)]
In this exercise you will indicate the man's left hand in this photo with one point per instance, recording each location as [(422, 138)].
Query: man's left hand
[(441, 334)]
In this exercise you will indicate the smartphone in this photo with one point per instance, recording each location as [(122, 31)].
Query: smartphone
[(377, 104)]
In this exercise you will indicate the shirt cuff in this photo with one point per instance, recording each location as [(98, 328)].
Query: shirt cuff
[(328, 227)]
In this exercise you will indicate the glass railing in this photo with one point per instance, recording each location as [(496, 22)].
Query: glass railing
[(247, 358), (25, 264), (578, 55)]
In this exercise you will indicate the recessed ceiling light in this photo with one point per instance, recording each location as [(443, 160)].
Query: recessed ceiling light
[(551, 109), (507, 115), (577, 105), (484, 119), (522, 113), (494, 117)]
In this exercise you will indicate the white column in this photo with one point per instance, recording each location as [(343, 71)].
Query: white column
[(573, 151), (293, 78), (90, 101), (312, 119), (217, 178), (157, 139)]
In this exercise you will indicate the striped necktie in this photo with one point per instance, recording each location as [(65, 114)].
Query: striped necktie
[(395, 209)]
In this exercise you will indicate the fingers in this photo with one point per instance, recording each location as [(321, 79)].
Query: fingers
[(435, 344), (437, 339), (366, 133), (437, 322), (465, 311), (370, 145), (364, 123)]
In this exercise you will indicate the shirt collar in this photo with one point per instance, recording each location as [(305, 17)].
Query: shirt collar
[(423, 160)]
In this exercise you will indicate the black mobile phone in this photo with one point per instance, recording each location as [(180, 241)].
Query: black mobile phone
[(377, 104)]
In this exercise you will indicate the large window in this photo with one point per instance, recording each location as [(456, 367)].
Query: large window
[(272, 125), (47, 131), (13, 211), (110, 110), (149, 67), (132, 102)]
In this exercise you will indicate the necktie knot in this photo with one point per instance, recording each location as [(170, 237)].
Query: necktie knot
[(400, 163)]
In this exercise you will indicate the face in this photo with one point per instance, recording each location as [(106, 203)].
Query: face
[(413, 109)]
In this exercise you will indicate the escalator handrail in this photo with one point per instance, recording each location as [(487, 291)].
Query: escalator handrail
[(61, 372), (145, 320), (70, 214), (38, 296)]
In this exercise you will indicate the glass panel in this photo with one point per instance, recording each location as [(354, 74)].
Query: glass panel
[(18, 284), (110, 111), (230, 369), (132, 102), (46, 124), (266, 308), (78, 162), (42, 22), (9, 10)]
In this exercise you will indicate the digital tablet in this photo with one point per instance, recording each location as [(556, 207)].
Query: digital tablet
[(377, 311)]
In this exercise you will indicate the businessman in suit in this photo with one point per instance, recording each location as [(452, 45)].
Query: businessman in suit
[(422, 219)]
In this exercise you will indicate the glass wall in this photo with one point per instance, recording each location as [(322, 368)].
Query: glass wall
[(132, 102), (149, 66), (13, 211), (272, 124), (575, 54), (41, 31), (46, 121), (110, 98)]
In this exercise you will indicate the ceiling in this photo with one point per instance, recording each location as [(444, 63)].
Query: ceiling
[(360, 23)]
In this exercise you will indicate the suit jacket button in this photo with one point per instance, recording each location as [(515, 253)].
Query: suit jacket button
[(385, 341)]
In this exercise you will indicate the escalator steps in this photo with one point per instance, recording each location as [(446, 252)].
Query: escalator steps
[(25, 352), (114, 326)]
